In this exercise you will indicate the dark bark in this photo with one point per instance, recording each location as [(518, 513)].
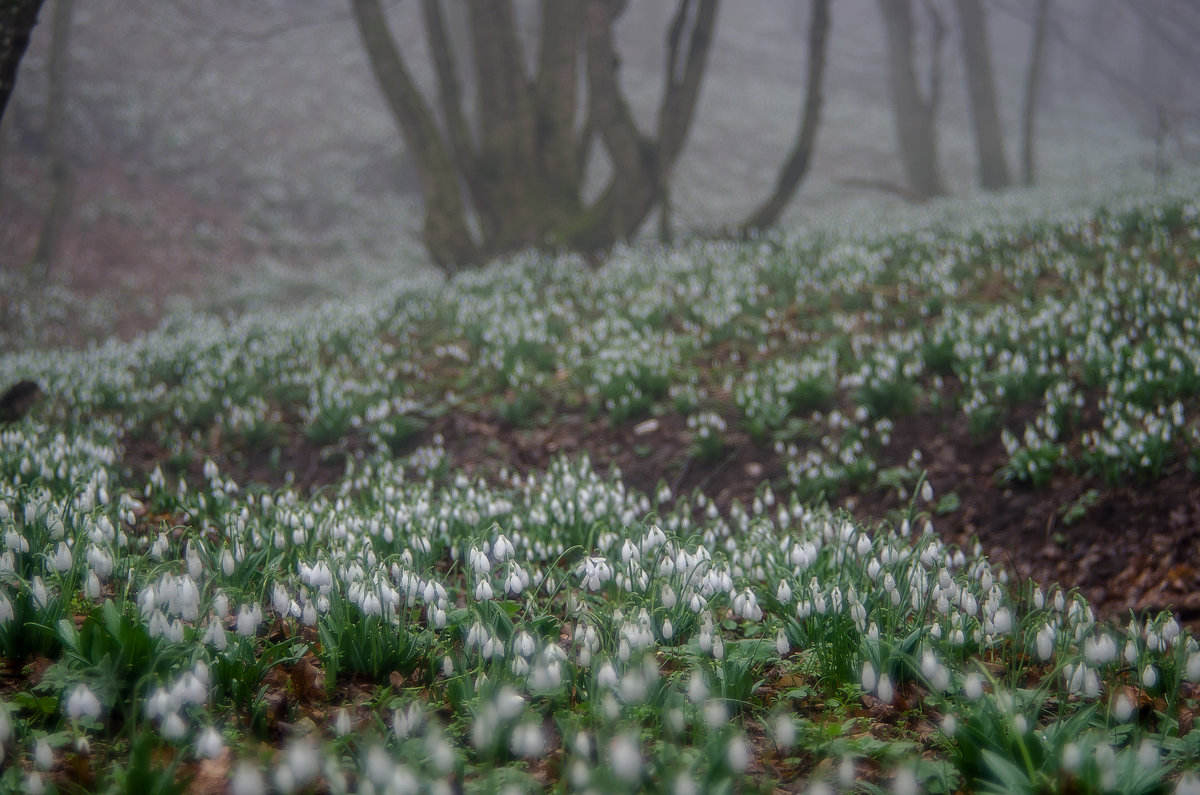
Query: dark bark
[(1033, 82), (17, 20), (981, 89), (62, 180), (523, 165), (445, 232), (913, 112), (795, 167)]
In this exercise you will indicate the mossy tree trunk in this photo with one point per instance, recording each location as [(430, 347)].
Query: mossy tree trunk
[(519, 174)]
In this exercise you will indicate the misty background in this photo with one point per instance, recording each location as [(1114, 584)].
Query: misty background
[(215, 147)]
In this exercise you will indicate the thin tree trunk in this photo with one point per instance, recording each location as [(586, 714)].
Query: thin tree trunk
[(796, 166), (17, 20), (1033, 81), (913, 112), (45, 255), (981, 88)]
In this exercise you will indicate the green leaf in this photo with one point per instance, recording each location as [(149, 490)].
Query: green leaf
[(1010, 776)]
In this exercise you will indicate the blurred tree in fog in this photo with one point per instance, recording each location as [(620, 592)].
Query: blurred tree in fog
[(518, 174), (796, 165), (56, 108), (17, 18), (981, 90), (914, 109)]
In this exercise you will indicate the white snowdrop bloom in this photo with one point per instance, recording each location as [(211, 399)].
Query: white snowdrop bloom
[(784, 592), (884, 689), (715, 713), (1193, 667), (514, 583), (372, 605), (1131, 653), (668, 629), (718, 647), (1020, 724), (228, 565), (214, 635), (785, 731), (188, 689), (973, 686), (927, 491), (6, 609), (527, 740), (781, 643), (503, 549), (863, 547), (342, 725), (248, 619), (173, 727), (1122, 708), (210, 744), (524, 644), (1170, 631), (82, 703), (667, 597), (100, 561), (625, 758), (91, 586), (303, 762), (406, 721), (220, 605), (949, 725), (1149, 676), (37, 590), (737, 753), (629, 552), (1002, 621), (478, 561), (509, 703), (1188, 784), (868, 678), (607, 676), (61, 560)]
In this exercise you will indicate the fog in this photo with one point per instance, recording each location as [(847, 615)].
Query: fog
[(211, 141)]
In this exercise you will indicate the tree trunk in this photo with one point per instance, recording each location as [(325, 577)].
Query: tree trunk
[(45, 254), (914, 113), (796, 166), (523, 166), (981, 88), (445, 231), (1033, 81), (17, 20)]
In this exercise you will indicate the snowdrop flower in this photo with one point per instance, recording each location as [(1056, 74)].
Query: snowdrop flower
[(1193, 666), (949, 725), (406, 721), (37, 590), (227, 563), (214, 635), (1149, 676), (247, 779), (607, 676), (342, 725), (61, 560), (781, 643), (1122, 708), (503, 548), (82, 703), (884, 689), (34, 784), (527, 740), (737, 753), (210, 745), (248, 619), (91, 587), (973, 686), (668, 629), (625, 758), (6, 609), (483, 591), (697, 689), (868, 677), (173, 727)]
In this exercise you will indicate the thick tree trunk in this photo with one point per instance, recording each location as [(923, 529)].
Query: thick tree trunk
[(524, 165), (981, 89), (796, 166), (445, 234), (913, 112), (45, 255), (17, 20), (1033, 81)]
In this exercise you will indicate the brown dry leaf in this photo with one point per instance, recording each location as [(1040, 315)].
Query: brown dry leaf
[(308, 679), (212, 775)]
